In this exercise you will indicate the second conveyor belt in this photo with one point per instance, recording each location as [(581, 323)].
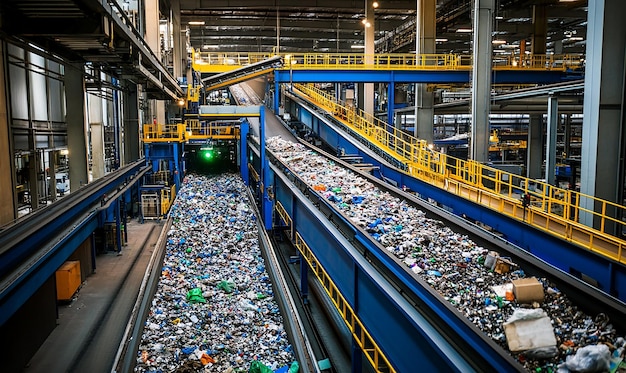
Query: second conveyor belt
[(404, 315)]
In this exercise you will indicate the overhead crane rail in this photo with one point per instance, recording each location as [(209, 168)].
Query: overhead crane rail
[(209, 62), (557, 211)]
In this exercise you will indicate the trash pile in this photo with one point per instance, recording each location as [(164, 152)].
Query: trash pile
[(527, 316), (214, 308)]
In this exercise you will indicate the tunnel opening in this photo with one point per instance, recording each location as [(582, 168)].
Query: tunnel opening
[(212, 158)]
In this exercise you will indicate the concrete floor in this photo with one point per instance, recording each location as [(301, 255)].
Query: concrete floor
[(90, 328)]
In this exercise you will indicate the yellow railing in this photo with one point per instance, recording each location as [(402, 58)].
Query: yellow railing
[(163, 132), (167, 198), (373, 353), (284, 216), (196, 129), (558, 211), (220, 62), (253, 173), (193, 94)]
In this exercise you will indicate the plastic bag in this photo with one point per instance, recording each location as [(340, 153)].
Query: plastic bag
[(227, 286), (526, 314), (195, 296), (258, 367), (588, 359)]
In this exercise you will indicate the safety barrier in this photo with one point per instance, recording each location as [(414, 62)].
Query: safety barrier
[(361, 336), (221, 62), (558, 211), (157, 132), (196, 129)]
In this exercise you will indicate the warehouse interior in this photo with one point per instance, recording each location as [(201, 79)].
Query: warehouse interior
[(502, 119)]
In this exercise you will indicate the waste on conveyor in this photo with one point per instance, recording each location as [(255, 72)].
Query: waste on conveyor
[(514, 310), (214, 308), (244, 94)]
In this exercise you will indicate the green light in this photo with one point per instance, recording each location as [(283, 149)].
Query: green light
[(208, 154)]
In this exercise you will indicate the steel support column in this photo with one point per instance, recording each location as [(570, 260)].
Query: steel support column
[(179, 41), (534, 150), (540, 29), (391, 91), (117, 124), (603, 106), (368, 88), (131, 123), (567, 135), (76, 130), (266, 203), (553, 124), (425, 44), (178, 149), (242, 155), (276, 97), (481, 79)]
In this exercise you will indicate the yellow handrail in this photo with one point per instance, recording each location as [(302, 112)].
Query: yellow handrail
[(215, 61), (556, 210), (196, 129), (362, 337), (167, 197), (157, 132)]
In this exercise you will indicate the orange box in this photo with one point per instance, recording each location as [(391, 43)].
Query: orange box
[(68, 279)]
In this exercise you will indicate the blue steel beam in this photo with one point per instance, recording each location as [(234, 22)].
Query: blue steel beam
[(34, 276), (244, 128), (405, 335), (413, 76), (610, 276), (45, 239)]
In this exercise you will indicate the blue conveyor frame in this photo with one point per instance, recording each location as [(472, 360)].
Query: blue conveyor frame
[(35, 249), (607, 275), (437, 337)]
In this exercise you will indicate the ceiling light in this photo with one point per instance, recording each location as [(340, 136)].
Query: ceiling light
[(575, 38), (210, 46), (499, 18), (464, 30), (364, 21), (375, 4), (355, 46), (441, 40), (196, 23), (498, 42)]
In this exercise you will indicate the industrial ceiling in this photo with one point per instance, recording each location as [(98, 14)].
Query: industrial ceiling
[(335, 25)]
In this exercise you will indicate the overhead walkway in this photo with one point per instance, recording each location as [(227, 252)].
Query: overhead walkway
[(208, 62), (558, 212), (553, 209)]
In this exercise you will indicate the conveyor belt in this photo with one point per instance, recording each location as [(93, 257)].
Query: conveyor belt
[(37, 246), (484, 194), (578, 292), (241, 74)]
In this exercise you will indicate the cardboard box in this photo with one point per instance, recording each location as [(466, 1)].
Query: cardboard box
[(68, 279), (503, 266), (523, 335), (528, 290)]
